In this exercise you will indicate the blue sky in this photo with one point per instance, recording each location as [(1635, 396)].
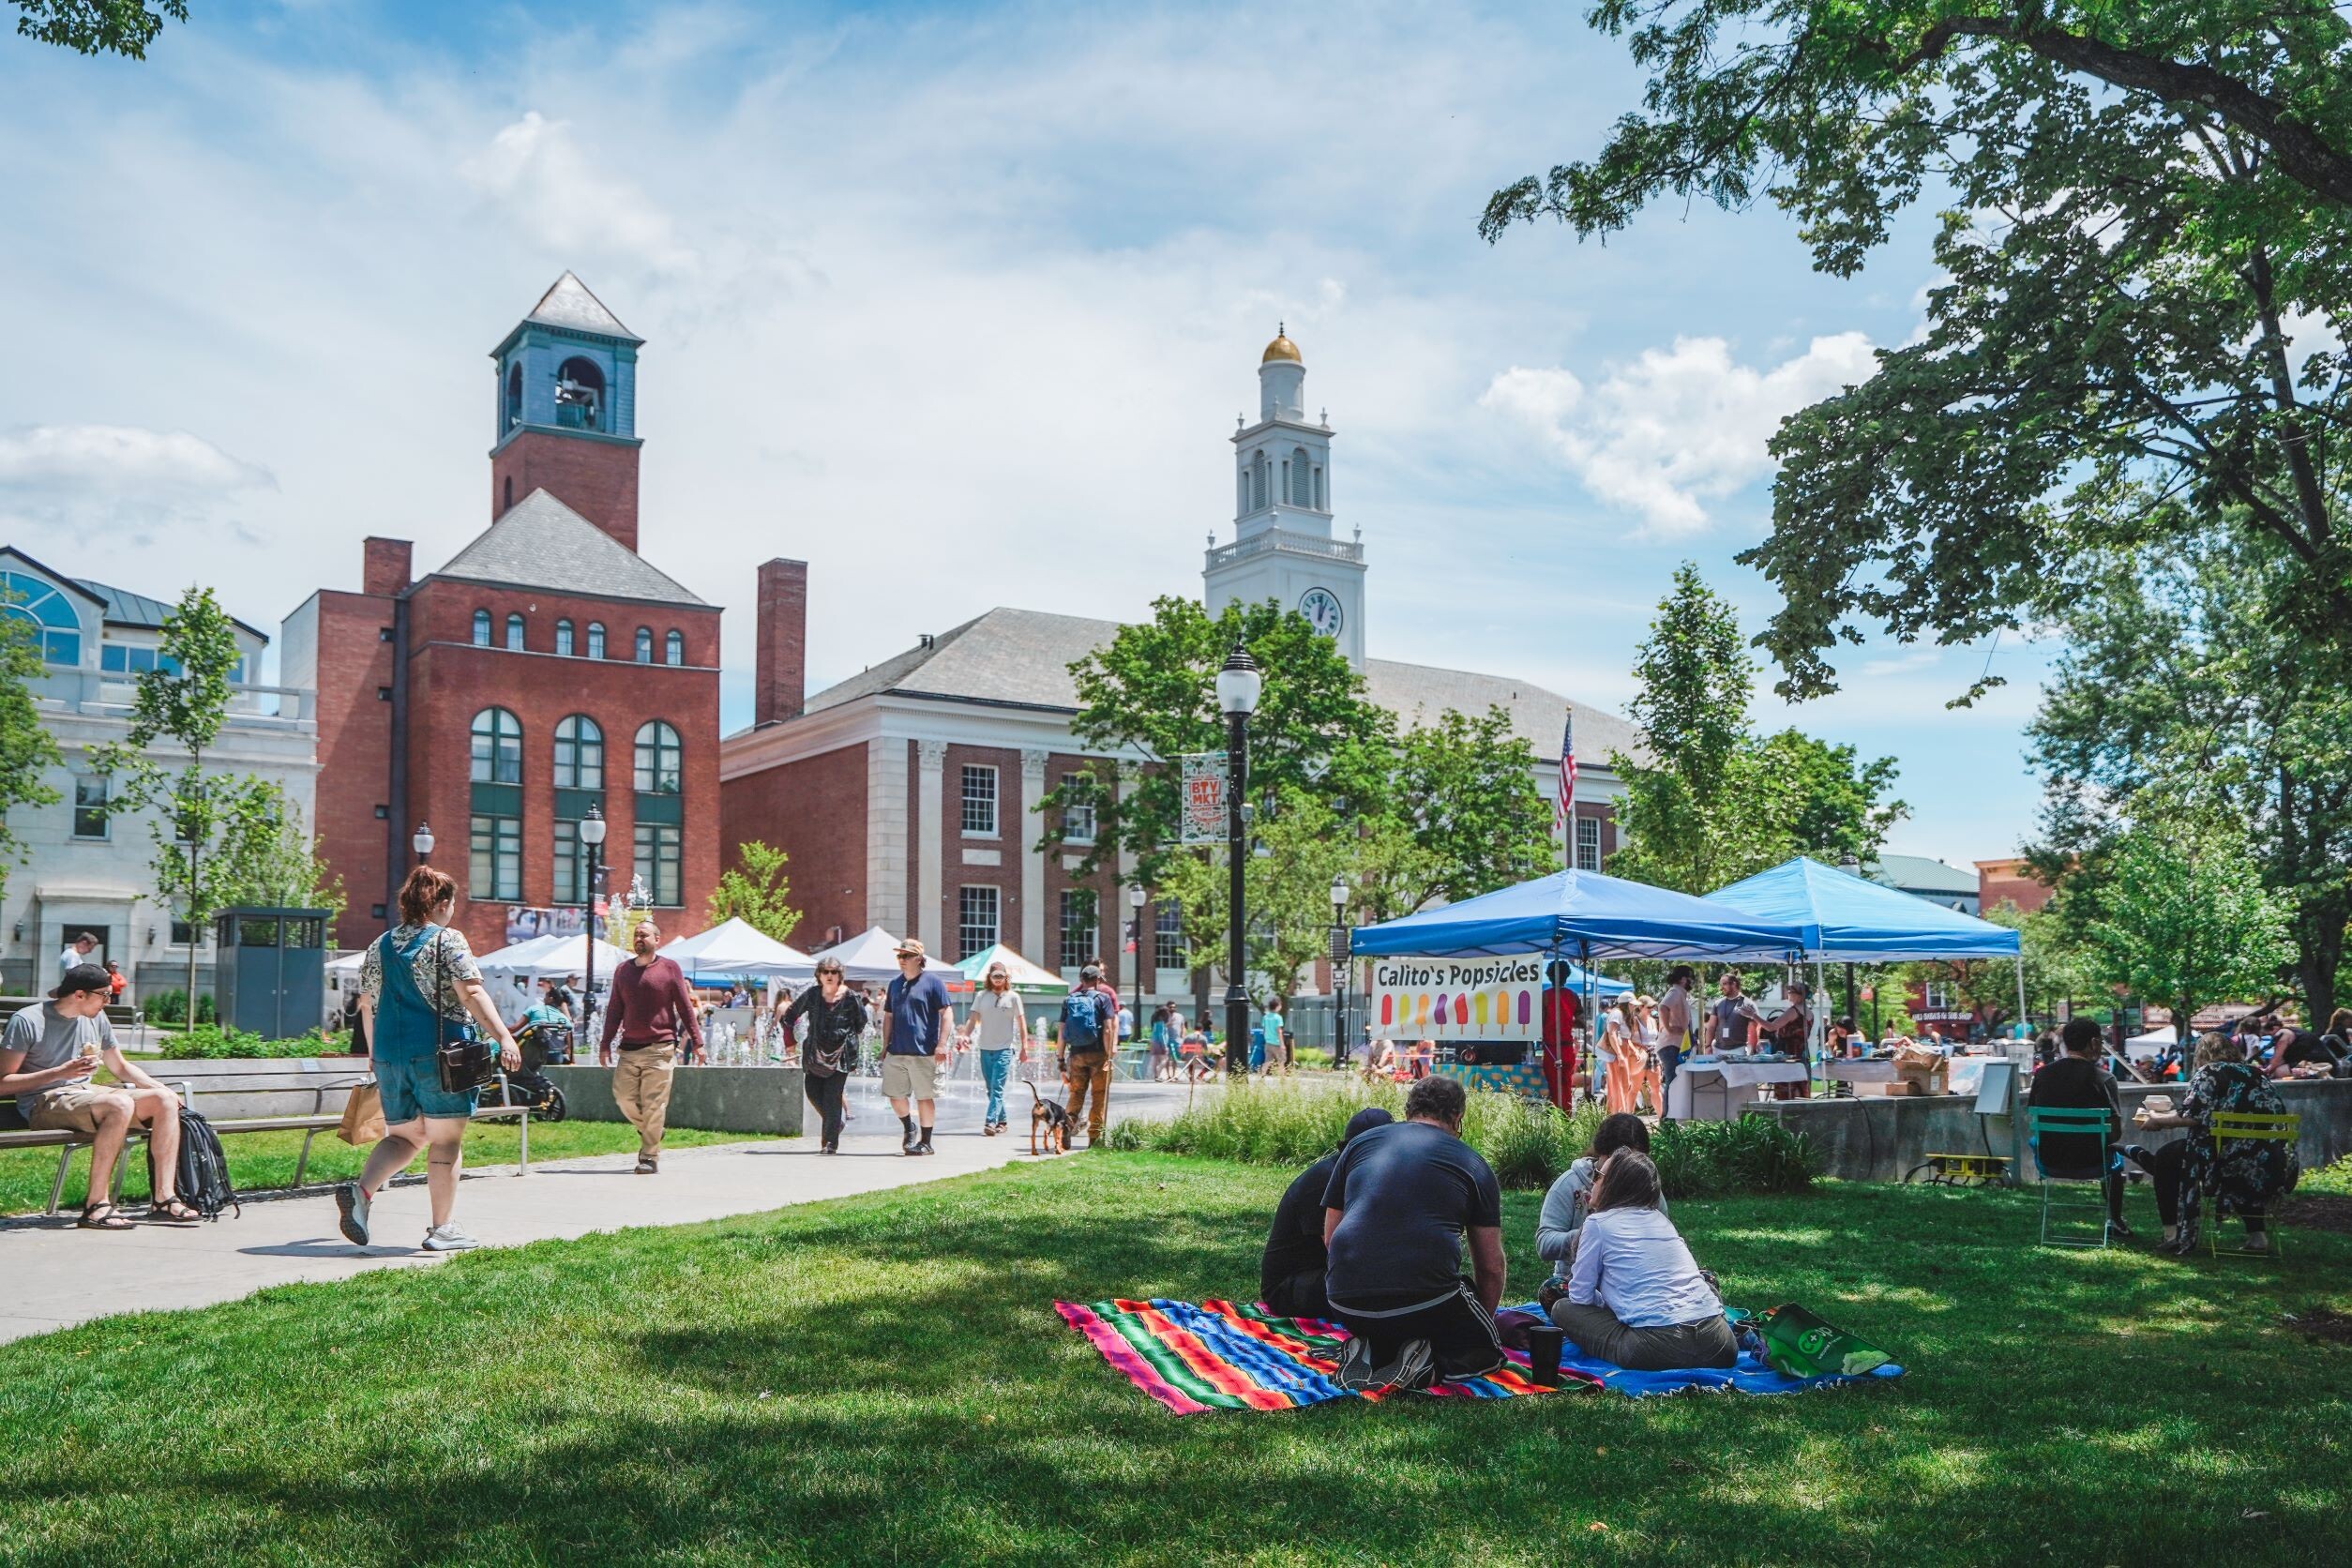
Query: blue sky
[(956, 303)]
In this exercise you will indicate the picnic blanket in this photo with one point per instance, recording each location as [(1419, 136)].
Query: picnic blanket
[(1218, 1355), (1751, 1375)]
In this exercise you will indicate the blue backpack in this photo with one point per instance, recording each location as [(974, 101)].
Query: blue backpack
[(1081, 1022)]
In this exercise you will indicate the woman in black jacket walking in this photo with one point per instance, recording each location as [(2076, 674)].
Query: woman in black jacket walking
[(837, 1022)]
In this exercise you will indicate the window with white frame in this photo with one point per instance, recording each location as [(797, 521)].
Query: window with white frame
[(977, 911), (1079, 935), (89, 806), (1078, 821), (1167, 934), (1587, 844), (979, 816)]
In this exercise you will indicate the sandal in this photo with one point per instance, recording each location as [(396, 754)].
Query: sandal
[(173, 1211), (101, 1217)]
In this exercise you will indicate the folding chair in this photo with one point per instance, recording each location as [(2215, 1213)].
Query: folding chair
[(2071, 1122), (2234, 1126)]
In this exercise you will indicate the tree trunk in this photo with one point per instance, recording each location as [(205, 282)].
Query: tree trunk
[(190, 1018), (2318, 952)]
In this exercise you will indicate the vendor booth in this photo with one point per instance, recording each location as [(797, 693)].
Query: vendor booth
[(1569, 916), (871, 958), (735, 949)]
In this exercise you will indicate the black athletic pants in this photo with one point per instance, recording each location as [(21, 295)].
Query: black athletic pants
[(825, 1095), (1459, 1328), (2165, 1166)]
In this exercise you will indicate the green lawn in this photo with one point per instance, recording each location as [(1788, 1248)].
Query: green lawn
[(883, 1379), (258, 1160)]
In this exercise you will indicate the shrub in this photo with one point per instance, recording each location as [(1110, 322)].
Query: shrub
[(208, 1042), (172, 1007), (1710, 1160)]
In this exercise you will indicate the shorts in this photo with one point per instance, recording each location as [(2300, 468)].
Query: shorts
[(910, 1077), (412, 1088), (69, 1110)]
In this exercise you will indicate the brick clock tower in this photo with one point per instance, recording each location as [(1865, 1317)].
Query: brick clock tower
[(567, 411), (546, 669)]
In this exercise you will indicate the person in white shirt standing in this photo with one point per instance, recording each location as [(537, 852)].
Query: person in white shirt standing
[(1636, 1297), (81, 950)]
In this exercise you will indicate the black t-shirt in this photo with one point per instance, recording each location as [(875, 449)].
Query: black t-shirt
[(1295, 1243), (2076, 1083), (2305, 1046), (1409, 1191)]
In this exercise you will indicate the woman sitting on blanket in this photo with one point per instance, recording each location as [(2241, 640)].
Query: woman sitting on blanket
[(1568, 1202), (1635, 1298)]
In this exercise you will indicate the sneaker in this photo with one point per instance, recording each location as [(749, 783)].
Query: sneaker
[(1355, 1366), (448, 1238), (351, 1206), (923, 1148), (1416, 1367), (2116, 1228), (648, 1165)]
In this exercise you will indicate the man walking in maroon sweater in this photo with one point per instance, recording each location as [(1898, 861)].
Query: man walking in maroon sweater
[(651, 1007)]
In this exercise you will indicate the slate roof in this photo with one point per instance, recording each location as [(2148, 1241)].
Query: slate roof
[(1022, 658), (568, 303), (127, 609), (542, 543), (1916, 873)]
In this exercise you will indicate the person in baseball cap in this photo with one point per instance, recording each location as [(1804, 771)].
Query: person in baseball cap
[(916, 1021), (47, 1056), (1291, 1274)]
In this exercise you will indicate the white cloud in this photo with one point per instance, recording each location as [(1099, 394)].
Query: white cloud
[(1921, 660), (121, 459), (536, 171), (1677, 427)]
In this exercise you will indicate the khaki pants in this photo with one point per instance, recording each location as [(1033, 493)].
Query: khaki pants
[(641, 1087), (1078, 1072)]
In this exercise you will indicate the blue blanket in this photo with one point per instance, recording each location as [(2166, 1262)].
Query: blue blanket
[(1752, 1375)]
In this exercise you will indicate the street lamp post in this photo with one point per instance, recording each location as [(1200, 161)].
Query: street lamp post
[(422, 841), (1339, 966), (1135, 923), (592, 831), (1238, 685)]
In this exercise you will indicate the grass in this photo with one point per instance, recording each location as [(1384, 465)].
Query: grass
[(883, 1378), (260, 1160)]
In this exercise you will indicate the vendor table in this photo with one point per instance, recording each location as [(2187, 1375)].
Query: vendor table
[(1715, 1090), (1866, 1077)]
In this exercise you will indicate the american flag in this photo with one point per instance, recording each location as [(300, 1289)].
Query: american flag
[(1567, 770)]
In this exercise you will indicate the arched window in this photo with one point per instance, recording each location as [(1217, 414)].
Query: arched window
[(674, 647), (514, 412), (660, 759), (1301, 491), (1319, 492), (510, 494), (497, 747), (644, 644), (514, 633), (564, 637), (1258, 481), (579, 754), (580, 395), (56, 630), (596, 640), (481, 629), (1285, 491)]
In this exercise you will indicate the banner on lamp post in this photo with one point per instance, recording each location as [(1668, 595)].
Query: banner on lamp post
[(1459, 999), (1203, 808)]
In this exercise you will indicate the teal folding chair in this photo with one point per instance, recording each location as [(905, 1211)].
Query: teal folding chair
[(2070, 1122)]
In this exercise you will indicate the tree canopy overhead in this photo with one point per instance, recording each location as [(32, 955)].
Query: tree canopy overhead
[(2145, 253)]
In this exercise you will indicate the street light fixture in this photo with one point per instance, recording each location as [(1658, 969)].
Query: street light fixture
[(1340, 964), (1239, 683), (422, 840), (1135, 904), (591, 832)]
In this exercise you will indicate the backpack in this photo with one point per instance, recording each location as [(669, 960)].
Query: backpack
[(202, 1177), (1081, 1022)]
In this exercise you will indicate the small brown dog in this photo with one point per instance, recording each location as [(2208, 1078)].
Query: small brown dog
[(1048, 1126)]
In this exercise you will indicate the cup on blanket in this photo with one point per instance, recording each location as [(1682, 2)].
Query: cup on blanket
[(1544, 1341)]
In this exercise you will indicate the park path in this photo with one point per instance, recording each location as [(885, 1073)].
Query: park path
[(59, 1276)]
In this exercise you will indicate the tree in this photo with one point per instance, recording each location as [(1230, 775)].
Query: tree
[(27, 750), (2186, 919), (1835, 807), (1464, 791), (755, 891), (98, 26), (268, 857), (1153, 692), (2145, 253), (1296, 848), (185, 701), (2184, 670)]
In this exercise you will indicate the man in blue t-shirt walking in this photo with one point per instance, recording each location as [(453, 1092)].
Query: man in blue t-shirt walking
[(914, 1046)]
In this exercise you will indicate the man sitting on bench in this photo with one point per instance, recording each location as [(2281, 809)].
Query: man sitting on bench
[(1402, 1200), (46, 1059)]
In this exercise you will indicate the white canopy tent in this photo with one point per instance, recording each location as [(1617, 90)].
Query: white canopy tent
[(739, 950), (873, 955), (544, 957)]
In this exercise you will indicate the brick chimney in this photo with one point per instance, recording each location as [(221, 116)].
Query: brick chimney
[(385, 566), (780, 682)]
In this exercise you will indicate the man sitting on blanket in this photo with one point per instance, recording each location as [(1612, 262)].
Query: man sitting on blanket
[(1401, 1201), (1291, 1275)]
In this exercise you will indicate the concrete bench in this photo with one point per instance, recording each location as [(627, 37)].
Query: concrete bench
[(305, 1096)]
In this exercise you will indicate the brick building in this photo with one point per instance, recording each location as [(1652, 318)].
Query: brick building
[(545, 668), (906, 795), (2010, 881)]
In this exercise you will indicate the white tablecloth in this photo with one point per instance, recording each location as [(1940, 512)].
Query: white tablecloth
[(1716, 1092)]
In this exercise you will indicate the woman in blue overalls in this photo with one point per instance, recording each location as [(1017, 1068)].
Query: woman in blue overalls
[(418, 980)]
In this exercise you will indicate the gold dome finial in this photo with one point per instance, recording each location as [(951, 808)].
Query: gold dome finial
[(1282, 348)]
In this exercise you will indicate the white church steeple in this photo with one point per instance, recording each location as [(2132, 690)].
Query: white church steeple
[(1283, 548)]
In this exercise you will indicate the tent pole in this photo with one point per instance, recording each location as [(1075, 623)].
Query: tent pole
[(2022, 1019), (1592, 1022)]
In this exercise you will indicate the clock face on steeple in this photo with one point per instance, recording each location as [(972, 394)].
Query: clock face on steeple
[(1320, 607)]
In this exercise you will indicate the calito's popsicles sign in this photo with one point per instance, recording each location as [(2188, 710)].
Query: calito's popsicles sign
[(1459, 999)]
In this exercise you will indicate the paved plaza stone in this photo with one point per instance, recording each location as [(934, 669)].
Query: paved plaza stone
[(60, 1276)]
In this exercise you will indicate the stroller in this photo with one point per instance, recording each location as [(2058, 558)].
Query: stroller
[(542, 1045)]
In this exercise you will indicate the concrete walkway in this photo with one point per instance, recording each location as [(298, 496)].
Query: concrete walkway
[(59, 1276)]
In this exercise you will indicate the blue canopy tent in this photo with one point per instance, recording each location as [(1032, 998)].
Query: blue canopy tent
[(1583, 915)]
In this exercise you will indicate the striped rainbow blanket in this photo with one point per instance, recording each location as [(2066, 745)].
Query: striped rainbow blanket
[(1224, 1356)]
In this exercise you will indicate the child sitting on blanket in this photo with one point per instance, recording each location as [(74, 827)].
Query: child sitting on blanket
[(1562, 1218), (1636, 1296)]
